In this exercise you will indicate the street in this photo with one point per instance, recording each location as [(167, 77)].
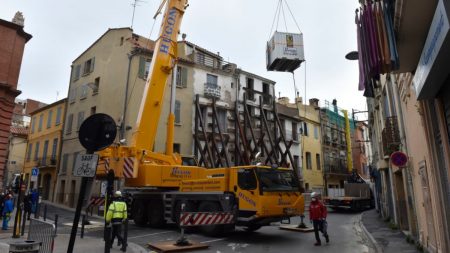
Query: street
[(344, 229)]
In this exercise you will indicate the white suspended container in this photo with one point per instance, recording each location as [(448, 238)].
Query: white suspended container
[(285, 52)]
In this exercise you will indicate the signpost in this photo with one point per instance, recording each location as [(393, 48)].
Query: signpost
[(97, 132), (34, 174)]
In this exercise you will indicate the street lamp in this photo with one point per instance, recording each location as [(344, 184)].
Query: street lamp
[(353, 55)]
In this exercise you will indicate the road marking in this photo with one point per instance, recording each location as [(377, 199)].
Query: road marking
[(216, 240), (159, 233)]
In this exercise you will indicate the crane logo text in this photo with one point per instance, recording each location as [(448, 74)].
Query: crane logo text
[(167, 31)]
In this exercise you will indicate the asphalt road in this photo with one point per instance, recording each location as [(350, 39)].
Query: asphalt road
[(344, 230)]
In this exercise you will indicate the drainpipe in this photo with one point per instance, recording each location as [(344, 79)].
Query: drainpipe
[(125, 103)]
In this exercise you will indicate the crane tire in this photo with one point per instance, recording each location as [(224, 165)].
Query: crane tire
[(139, 211), (213, 230)]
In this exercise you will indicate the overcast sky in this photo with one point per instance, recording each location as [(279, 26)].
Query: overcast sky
[(238, 29)]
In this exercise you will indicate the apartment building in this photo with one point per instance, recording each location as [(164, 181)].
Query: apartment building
[(337, 166), (43, 147), (359, 150)]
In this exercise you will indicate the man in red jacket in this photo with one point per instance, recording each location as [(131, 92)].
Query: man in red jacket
[(318, 215)]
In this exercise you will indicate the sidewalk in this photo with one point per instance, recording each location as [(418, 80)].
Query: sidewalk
[(85, 245), (385, 239)]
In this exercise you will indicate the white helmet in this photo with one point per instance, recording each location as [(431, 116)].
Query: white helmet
[(118, 194), (314, 195)]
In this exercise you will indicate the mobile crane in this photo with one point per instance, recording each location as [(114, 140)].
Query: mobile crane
[(160, 182)]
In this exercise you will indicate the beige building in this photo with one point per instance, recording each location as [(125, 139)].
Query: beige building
[(43, 147), (16, 152)]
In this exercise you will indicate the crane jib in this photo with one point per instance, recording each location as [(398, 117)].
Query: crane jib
[(168, 30)]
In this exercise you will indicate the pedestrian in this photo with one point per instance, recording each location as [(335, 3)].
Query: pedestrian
[(318, 216), (7, 210), (116, 216), (27, 206), (34, 200)]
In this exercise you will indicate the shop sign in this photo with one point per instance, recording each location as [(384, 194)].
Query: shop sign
[(435, 40)]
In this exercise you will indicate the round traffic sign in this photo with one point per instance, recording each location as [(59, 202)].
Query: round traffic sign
[(97, 132), (399, 159)]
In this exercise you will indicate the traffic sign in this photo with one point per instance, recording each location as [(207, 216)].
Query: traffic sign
[(399, 159), (85, 165), (34, 174)]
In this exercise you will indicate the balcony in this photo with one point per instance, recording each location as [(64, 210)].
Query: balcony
[(390, 136), (337, 167), (212, 90), (46, 162)]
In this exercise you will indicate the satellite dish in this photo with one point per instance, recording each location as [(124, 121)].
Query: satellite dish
[(97, 132)]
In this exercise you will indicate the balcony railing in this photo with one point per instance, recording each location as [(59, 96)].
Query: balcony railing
[(336, 167), (46, 161), (390, 136), (212, 90)]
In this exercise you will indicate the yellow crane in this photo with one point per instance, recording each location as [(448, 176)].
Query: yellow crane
[(159, 182)]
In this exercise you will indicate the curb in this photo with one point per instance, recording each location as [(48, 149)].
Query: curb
[(136, 248), (372, 240)]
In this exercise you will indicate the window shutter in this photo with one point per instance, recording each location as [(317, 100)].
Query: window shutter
[(92, 64), (184, 77), (141, 73), (177, 111)]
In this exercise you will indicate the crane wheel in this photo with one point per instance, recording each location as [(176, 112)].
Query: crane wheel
[(155, 213), (139, 213), (214, 230)]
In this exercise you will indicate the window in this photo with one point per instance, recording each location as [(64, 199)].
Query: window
[(318, 162), (144, 67), (316, 132), (211, 80), (72, 95), (305, 128), (283, 127), (84, 91), (308, 161), (247, 179), (33, 124), (297, 161), (36, 151), (58, 116), (74, 159), (121, 41), (200, 58), (41, 118), (54, 147), (294, 131), (266, 93), (49, 119), (96, 86), (30, 147), (76, 72), (69, 124), (93, 110), (176, 148), (177, 112), (44, 152), (250, 88), (222, 118), (65, 161), (181, 77), (80, 119), (88, 66), (307, 187)]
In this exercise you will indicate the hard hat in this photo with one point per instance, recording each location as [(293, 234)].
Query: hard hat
[(118, 194), (314, 195)]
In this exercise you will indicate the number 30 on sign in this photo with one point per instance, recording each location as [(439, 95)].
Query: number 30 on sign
[(85, 165)]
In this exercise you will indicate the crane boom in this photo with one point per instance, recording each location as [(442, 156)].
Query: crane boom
[(163, 61)]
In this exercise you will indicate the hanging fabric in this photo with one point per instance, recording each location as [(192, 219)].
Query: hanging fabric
[(377, 45)]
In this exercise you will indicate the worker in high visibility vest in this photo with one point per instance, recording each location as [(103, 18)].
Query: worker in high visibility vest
[(116, 215)]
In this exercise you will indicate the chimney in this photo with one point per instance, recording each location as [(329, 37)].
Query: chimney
[(299, 100), (283, 100), (18, 19), (314, 102)]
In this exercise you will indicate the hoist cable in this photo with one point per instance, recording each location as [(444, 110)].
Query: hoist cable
[(284, 17), (293, 17), (274, 18)]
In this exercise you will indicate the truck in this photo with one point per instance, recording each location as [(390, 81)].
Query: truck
[(158, 184), (357, 195)]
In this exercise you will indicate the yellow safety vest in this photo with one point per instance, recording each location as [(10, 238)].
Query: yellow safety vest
[(117, 210)]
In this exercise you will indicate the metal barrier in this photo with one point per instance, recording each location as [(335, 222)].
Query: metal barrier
[(44, 232)]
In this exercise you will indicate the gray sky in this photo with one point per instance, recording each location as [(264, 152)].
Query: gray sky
[(238, 29)]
